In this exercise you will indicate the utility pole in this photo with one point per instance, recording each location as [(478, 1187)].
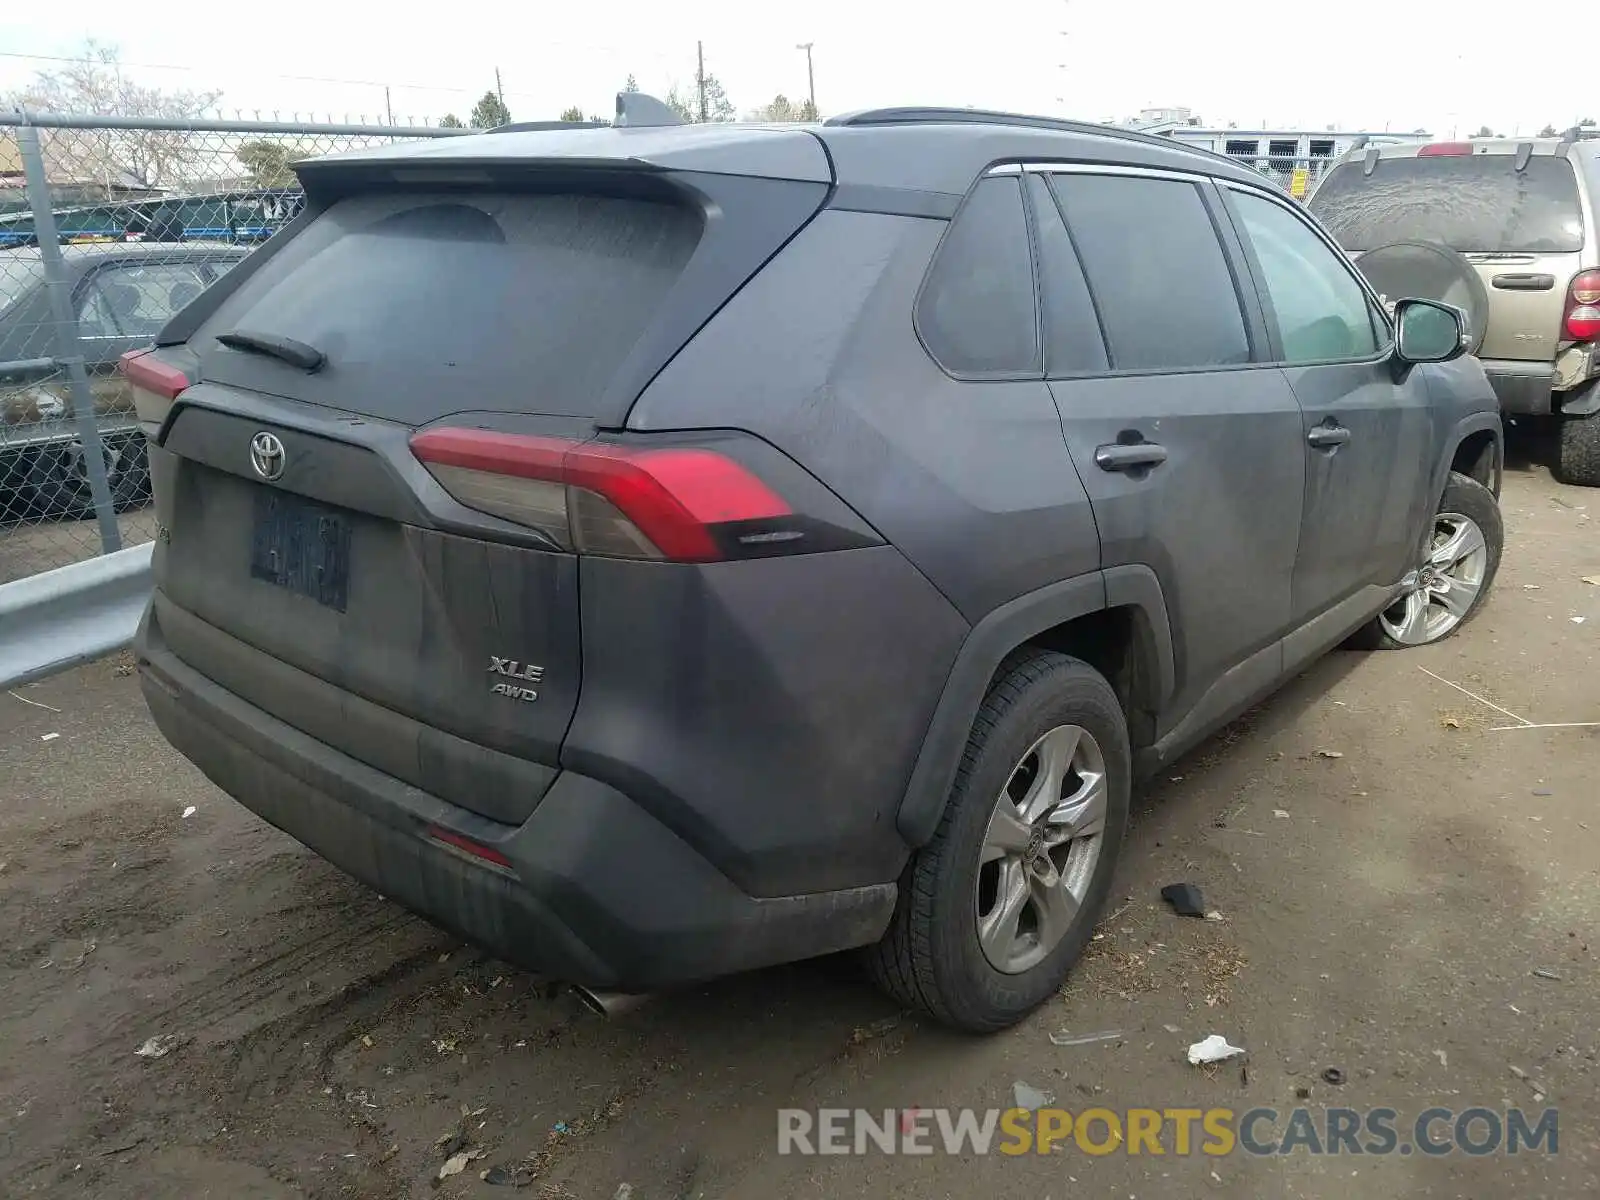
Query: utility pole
[(811, 79), (498, 90), (387, 106), (700, 78)]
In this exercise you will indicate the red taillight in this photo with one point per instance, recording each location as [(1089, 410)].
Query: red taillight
[(1583, 307), (599, 498), (467, 846), (1583, 323), (155, 384), (1445, 150)]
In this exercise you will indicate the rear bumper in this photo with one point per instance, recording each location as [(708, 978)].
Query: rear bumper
[(1523, 388), (598, 893)]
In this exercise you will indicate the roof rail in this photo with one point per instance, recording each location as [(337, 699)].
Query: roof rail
[(636, 110), (983, 116), (537, 126)]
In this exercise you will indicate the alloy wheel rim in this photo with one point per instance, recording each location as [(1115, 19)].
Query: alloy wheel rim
[(1443, 589), (1040, 849)]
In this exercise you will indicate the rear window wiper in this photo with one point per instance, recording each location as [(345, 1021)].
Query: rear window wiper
[(296, 354)]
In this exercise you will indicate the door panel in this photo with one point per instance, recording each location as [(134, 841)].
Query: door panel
[(1194, 467), (1366, 437), (1218, 520), (1366, 499)]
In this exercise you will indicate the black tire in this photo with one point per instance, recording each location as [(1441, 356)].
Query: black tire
[(1464, 495), (930, 957), (60, 483), (1578, 462)]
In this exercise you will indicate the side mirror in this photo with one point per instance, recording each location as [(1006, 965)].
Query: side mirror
[(1427, 331)]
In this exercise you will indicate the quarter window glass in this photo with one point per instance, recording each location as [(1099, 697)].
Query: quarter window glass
[(977, 313)]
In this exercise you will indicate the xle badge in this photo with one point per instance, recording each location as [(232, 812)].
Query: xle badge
[(510, 668)]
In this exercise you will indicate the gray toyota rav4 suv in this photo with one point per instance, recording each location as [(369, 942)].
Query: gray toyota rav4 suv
[(653, 552)]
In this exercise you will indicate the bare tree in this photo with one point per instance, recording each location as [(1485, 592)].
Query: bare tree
[(95, 85)]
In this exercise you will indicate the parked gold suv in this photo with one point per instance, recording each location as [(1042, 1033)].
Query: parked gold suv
[(1523, 214)]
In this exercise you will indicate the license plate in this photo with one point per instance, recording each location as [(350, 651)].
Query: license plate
[(301, 546)]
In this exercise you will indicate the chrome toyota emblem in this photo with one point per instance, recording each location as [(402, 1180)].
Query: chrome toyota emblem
[(266, 455)]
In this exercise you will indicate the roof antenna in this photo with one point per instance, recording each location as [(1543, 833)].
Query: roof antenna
[(635, 110)]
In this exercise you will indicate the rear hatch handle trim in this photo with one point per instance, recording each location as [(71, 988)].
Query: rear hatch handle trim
[(1524, 282)]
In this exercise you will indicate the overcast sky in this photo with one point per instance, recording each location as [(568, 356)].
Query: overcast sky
[(1363, 64)]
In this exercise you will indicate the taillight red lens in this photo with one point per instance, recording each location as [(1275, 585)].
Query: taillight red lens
[(1445, 149), (1586, 287), (600, 498), (1583, 323), (155, 384)]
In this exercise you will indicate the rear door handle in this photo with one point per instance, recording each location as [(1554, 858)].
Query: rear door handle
[(1119, 456), (1325, 437), (1524, 282)]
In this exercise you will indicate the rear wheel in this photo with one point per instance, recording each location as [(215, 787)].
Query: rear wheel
[(1452, 580), (997, 907), (1579, 460), (59, 477)]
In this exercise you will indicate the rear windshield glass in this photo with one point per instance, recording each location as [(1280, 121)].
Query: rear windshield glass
[(1468, 203), (430, 304)]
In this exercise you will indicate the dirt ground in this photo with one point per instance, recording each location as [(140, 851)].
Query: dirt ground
[(30, 546), (1385, 912)]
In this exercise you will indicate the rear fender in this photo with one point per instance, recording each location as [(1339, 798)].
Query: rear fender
[(996, 636)]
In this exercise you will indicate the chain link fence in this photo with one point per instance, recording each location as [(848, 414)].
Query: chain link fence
[(1296, 175), (107, 228)]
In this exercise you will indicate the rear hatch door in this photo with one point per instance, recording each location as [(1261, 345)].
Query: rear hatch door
[(1521, 229), (310, 563)]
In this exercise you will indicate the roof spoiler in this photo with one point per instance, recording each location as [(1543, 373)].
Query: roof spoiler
[(636, 110), (1577, 133)]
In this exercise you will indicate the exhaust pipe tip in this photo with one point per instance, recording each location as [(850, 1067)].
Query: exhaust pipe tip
[(608, 1004)]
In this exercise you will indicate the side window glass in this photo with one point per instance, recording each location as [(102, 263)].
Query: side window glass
[(1323, 314), (976, 312), (1073, 344), (95, 318), (1160, 278)]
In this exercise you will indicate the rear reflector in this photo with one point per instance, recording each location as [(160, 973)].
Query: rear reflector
[(1445, 150), (467, 846), (155, 384), (601, 498)]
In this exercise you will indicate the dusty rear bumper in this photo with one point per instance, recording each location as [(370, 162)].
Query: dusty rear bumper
[(598, 892), (1523, 388)]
